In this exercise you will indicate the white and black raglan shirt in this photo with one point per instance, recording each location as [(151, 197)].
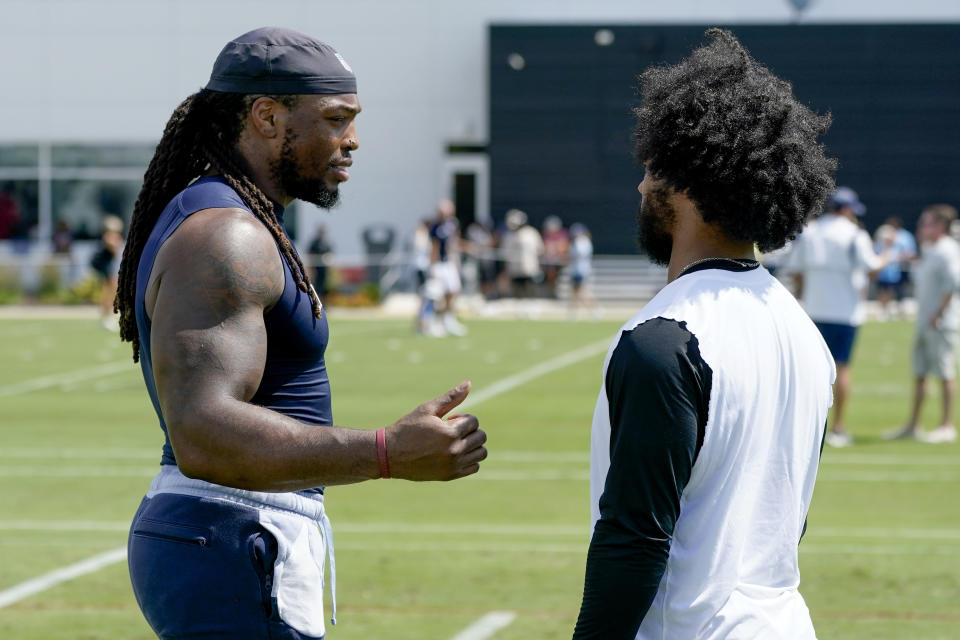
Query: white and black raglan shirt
[(705, 444)]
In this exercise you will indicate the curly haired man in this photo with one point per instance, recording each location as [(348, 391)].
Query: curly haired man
[(708, 429)]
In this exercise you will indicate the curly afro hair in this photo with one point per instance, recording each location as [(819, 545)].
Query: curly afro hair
[(724, 130)]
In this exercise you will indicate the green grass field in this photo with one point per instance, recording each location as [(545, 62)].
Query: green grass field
[(79, 443)]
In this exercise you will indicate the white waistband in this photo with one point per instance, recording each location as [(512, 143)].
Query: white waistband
[(171, 480)]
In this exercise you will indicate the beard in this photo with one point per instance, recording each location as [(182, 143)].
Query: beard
[(655, 216), (290, 175)]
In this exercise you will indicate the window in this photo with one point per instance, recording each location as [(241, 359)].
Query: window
[(67, 187), (18, 208), (79, 205)]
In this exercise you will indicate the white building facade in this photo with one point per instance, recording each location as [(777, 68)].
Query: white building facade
[(89, 85)]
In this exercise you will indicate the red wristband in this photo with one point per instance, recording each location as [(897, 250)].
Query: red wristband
[(382, 453)]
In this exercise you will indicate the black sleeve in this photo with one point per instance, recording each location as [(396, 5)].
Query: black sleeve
[(658, 388)]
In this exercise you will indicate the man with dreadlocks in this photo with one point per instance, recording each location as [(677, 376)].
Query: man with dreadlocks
[(708, 429), (230, 540)]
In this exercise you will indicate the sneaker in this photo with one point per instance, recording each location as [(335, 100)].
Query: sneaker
[(839, 439), (906, 433), (453, 327), (435, 330), (945, 433)]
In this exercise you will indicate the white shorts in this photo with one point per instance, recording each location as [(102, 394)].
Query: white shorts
[(933, 353), (447, 275)]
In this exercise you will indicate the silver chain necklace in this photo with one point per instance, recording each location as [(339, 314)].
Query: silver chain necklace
[(743, 263)]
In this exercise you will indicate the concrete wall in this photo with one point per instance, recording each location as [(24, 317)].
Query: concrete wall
[(113, 70)]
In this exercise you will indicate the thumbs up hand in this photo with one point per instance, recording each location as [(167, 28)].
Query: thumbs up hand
[(423, 446)]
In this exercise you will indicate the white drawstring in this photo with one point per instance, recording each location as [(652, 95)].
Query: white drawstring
[(327, 532)]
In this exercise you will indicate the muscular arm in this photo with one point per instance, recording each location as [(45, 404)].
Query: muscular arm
[(212, 283)]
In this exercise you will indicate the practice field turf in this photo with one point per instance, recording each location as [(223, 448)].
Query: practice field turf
[(79, 443)]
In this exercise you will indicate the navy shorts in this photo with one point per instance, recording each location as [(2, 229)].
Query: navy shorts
[(203, 568), (839, 339)]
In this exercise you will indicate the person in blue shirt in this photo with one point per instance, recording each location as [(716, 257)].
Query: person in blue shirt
[(901, 248), (231, 538)]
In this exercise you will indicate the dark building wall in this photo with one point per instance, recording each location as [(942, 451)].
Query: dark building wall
[(560, 127)]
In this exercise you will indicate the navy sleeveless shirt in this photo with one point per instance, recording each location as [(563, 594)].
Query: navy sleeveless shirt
[(295, 381)]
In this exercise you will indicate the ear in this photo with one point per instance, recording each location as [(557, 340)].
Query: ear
[(266, 116)]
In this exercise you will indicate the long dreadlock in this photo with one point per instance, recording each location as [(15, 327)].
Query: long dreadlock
[(201, 135)]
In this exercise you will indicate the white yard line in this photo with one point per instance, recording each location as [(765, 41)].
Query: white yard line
[(467, 528), (6, 332), (126, 382), (582, 457), (340, 329), (869, 532), (70, 377), (491, 474), (149, 472), (77, 472), (52, 579), (549, 366), (531, 530), (885, 389), (537, 547), (862, 550), (520, 475), (72, 526), (831, 458), (486, 626), (80, 453), (889, 477), (494, 548)]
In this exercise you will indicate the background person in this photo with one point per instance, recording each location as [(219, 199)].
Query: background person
[(321, 256), (105, 262), (420, 250), (906, 246), (935, 283), (707, 431), (556, 246), (522, 248), (889, 277), (581, 266), (445, 267), (230, 539), (898, 243), (479, 246), (830, 262)]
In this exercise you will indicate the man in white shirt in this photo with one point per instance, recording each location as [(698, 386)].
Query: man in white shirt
[(830, 261), (936, 279), (708, 428)]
